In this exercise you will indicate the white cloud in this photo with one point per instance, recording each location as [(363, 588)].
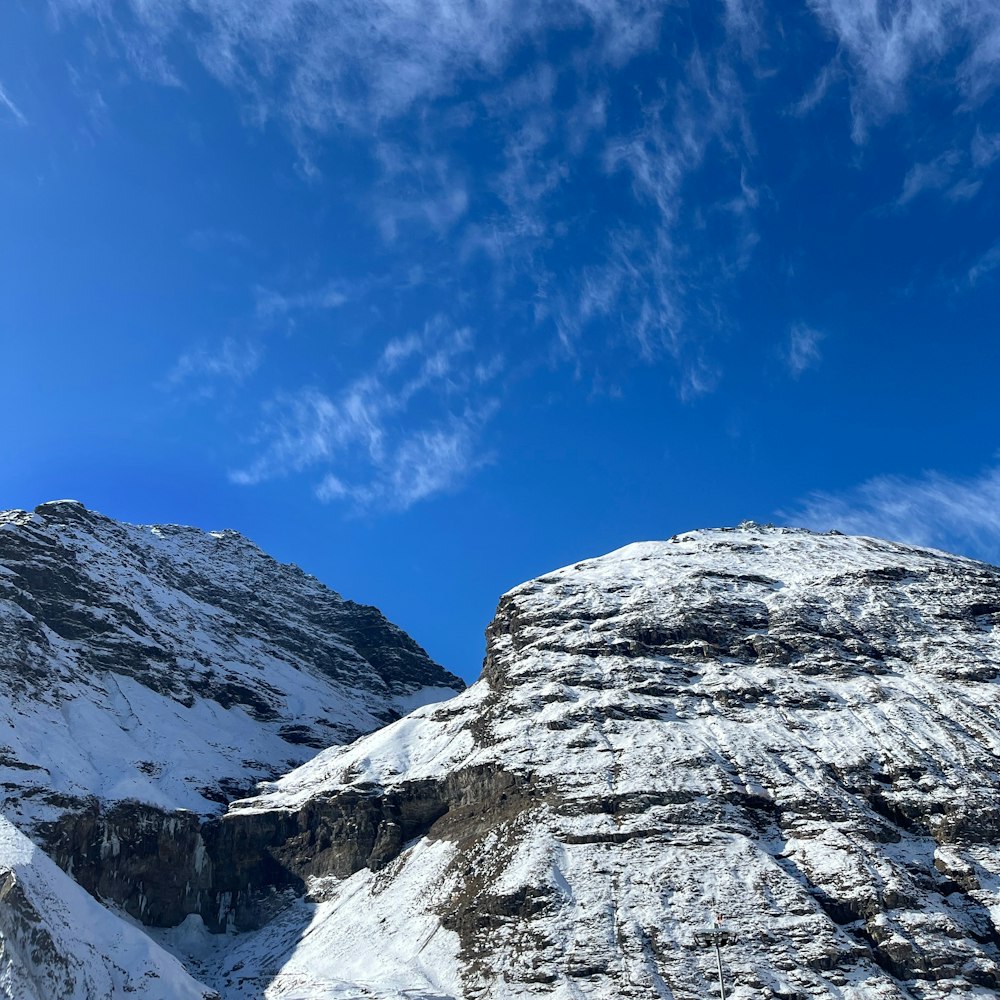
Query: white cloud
[(803, 351), (6, 102), (403, 431), (421, 189), (653, 279), (319, 65), (955, 173), (744, 20), (302, 429), (933, 176), (233, 361), (697, 379), (272, 304), (984, 265), (433, 460), (886, 44), (393, 70), (830, 74), (985, 148), (933, 509), (529, 175), (964, 189)]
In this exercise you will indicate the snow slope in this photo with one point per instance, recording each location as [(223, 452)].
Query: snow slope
[(390, 947), (800, 732), (57, 943), (177, 667)]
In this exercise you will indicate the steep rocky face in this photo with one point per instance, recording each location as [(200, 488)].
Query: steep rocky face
[(57, 942), (800, 732), (175, 667)]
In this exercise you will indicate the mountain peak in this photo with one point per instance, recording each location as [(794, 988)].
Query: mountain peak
[(53, 505), (798, 730), (119, 637)]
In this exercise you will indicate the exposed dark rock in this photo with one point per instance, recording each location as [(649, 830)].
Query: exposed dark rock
[(797, 730)]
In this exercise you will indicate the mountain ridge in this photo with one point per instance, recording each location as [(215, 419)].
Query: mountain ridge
[(119, 637), (797, 730)]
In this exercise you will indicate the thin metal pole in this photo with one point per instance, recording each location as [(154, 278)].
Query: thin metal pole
[(718, 958)]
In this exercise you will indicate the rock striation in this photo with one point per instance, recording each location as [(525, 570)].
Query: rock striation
[(177, 667), (797, 731)]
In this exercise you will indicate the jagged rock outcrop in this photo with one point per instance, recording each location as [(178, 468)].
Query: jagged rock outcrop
[(800, 732)]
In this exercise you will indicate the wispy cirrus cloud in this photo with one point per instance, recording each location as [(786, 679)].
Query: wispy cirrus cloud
[(391, 73), (957, 174), (404, 430), (886, 45), (317, 66), (957, 514), (433, 460), (273, 304), (933, 176), (367, 67), (660, 276), (7, 103), (689, 271), (802, 351), (984, 265), (985, 148), (232, 361), (417, 188)]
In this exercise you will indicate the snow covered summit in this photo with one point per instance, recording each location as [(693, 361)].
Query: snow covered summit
[(176, 667), (798, 731)]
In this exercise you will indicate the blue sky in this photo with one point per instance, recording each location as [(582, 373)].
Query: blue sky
[(432, 297)]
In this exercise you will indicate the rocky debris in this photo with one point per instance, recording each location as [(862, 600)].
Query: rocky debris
[(176, 667), (798, 731)]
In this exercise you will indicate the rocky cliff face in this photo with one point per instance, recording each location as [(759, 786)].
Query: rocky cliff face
[(150, 674), (800, 732), (56, 943)]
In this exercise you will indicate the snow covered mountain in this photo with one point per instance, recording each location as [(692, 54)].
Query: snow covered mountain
[(176, 667), (800, 732)]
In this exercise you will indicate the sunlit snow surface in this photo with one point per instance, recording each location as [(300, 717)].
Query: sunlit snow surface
[(671, 774), (361, 942), (797, 732)]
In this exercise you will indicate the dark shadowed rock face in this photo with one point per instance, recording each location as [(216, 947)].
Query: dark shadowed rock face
[(176, 667), (57, 943), (798, 731)]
